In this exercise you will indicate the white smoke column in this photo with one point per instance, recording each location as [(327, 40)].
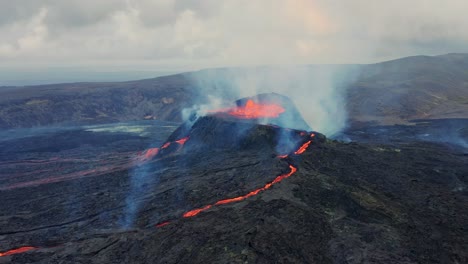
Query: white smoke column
[(317, 91)]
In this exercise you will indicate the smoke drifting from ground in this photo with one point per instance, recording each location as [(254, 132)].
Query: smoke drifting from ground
[(141, 178)]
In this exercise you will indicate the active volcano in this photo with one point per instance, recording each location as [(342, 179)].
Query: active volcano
[(246, 183), (238, 129)]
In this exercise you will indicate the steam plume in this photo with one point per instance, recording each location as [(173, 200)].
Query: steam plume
[(317, 91)]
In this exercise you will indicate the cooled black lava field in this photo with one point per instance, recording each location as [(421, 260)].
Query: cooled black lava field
[(142, 193), (233, 131)]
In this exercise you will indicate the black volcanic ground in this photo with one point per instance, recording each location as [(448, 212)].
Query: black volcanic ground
[(399, 201), (375, 193)]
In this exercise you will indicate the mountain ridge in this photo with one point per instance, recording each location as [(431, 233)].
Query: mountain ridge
[(394, 91)]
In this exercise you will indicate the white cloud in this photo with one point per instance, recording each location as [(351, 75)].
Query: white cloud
[(189, 33), (26, 36)]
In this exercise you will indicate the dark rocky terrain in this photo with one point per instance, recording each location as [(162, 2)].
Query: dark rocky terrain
[(393, 92), (372, 202), (391, 188), (93, 103)]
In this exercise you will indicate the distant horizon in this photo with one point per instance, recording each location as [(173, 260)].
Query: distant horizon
[(41, 77), (31, 76)]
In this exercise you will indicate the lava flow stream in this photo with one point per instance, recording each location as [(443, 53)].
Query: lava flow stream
[(16, 251), (243, 197), (292, 170), (150, 153)]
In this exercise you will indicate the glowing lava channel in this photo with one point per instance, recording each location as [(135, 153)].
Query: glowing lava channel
[(148, 154), (181, 142), (267, 186), (254, 110), (16, 251), (152, 152), (163, 224), (303, 148), (243, 197)]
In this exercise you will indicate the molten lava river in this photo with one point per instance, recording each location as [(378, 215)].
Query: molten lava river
[(279, 178)]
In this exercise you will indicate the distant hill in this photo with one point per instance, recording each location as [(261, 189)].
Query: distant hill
[(389, 92), (413, 87), (89, 103)]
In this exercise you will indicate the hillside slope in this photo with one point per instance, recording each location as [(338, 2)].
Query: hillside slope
[(89, 103), (409, 88)]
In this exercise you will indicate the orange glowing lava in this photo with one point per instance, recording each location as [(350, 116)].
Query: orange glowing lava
[(163, 224), (254, 110), (303, 148), (196, 211), (16, 251), (255, 192), (279, 178), (150, 153), (182, 140)]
